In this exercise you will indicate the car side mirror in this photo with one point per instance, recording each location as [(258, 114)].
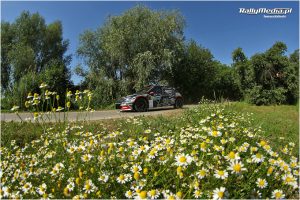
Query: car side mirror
[(151, 93)]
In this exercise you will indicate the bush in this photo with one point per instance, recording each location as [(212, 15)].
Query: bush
[(18, 94), (259, 96)]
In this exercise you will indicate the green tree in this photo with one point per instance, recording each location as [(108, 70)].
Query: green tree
[(225, 83), (29, 46), (136, 48), (291, 78), (6, 40), (242, 69), (275, 76), (195, 74)]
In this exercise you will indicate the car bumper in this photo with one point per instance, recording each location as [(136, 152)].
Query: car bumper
[(124, 106)]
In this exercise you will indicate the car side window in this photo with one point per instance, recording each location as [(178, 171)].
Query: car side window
[(169, 91), (157, 90)]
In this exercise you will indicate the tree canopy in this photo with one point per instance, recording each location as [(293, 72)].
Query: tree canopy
[(134, 49), (270, 77), (35, 50)]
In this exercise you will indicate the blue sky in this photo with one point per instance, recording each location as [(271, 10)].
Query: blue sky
[(217, 26)]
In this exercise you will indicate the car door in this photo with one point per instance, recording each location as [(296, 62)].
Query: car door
[(167, 96), (157, 96)]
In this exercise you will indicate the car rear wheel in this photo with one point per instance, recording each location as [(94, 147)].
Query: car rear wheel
[(140, 105), (178, 103)]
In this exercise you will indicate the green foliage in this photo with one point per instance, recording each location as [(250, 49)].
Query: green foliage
[(6, 39), (18, 94), (243, 70), (32, 51), (225, 84), (198, 75), (259, 96), (268, 78), (134, 49)]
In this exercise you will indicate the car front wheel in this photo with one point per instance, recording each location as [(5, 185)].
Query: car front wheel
[(178, 103), (140, 105)]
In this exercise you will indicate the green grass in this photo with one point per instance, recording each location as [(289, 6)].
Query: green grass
[(276, 121), (279, 123), (172, 149)]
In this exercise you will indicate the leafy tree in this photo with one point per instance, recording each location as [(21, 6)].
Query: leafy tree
[(225, 84), (30, 46), (136, 48), (242, 69), (198, 75), (6, 40), (291, 78), (275, 76)]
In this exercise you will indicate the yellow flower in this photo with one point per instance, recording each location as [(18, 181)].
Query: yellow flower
[(92, 170), (179, 169), (15, 108), (27, 104), (67, 192), (68, 104), (136, 176), (36, 115), (43, 85), (77, 181), (179, 194), (143, 194), (270, 170)]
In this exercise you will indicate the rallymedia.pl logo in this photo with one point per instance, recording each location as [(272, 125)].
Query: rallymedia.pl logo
[(268, 13)]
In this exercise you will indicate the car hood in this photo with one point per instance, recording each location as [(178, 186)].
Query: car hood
[(130, 97)]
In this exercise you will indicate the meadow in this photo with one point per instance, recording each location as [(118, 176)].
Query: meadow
[(229, 150)]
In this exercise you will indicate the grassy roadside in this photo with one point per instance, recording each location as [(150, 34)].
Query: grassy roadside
[(108, 107), (279, 123), (220, 140)]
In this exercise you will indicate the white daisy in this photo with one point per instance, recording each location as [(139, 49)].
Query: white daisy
[(197, 193), (136, 168), (215, 133), (219, 193), (42, 189), (277, 194), (261, 183), (289, 180), (129, 194), (123, 178), (153, 194), (103, 177), (232, 156), (89, 186), (183, 160), (202, 173), (222, 174), (86, 157), (257, 158), (26, 187), (237, 167)]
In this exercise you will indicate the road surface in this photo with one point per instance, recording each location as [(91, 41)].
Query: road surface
[(96, 115)]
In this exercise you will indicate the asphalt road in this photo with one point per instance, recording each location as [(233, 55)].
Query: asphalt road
[(96, 115)]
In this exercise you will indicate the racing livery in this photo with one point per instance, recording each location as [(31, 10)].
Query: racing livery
[(151, 97)]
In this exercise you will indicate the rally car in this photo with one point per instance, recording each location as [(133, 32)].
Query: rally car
[(150, 97)]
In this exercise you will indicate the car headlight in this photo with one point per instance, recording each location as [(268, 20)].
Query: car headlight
[(132, 100)]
